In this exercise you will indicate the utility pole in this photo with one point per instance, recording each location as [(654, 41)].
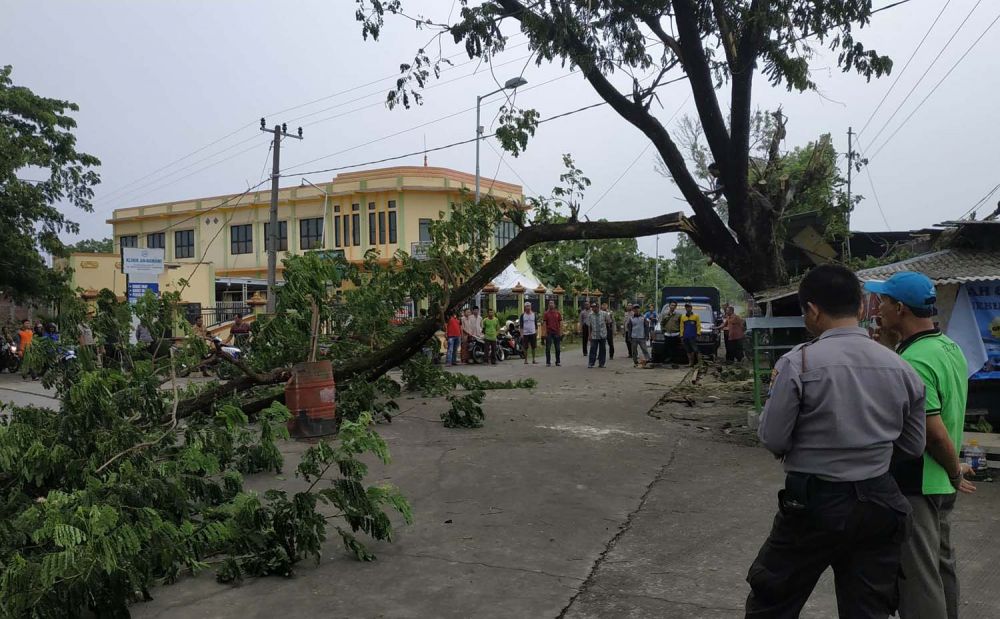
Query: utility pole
[(656, 290), (279, 132), (850, 170)]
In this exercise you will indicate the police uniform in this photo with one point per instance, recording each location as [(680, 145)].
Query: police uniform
[(838, 409)]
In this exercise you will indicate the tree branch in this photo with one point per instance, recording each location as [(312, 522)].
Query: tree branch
[(699, 74), (709, 231), (170, 428)]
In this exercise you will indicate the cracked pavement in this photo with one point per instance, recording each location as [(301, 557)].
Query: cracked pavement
[(570, 502)]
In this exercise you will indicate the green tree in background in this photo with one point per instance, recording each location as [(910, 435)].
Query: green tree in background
[(39, 169), (92, 246)]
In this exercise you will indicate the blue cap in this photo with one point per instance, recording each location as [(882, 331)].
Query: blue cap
[(912, 289)]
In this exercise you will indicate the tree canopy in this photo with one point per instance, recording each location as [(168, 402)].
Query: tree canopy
[(92, 246), (627, 50), (39, 169)]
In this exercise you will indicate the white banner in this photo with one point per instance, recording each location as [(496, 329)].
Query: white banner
[(136, 261)]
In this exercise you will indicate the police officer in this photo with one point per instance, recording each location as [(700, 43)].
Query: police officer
[(838, 408)]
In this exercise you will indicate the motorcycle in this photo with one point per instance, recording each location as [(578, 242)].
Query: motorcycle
[(509, 340), (477, 349), (500, 353), (9, 358)]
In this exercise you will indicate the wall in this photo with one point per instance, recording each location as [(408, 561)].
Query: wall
[(94, 272)]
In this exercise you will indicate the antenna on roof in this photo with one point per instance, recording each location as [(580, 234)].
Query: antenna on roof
[(425, 150)]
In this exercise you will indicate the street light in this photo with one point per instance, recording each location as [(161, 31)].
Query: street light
[(511, 84), (326, 214)]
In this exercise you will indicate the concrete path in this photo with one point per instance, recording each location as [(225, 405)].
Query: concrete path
[(20, 392)]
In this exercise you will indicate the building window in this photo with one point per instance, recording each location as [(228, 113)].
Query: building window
[(392, 221), (241, 239), (128, 241), (311, 233), (381, 227), (371, 223), (425, 230), (336, 230), (184, 244), (504, 232), (156, 240), (282, 235), (355, 225)]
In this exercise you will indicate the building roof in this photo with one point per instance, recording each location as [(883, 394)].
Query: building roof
[(396, 178), (948, 266)]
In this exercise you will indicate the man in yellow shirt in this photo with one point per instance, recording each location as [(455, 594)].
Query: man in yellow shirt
[(690, 329)]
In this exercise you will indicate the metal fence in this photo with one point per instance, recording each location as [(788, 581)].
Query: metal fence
[(223, 311)]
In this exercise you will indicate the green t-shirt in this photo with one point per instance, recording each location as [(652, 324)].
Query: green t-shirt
[(491, 326), (943, 368)]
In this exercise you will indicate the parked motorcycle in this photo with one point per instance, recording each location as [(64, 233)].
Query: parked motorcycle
[(9, 359), (477, 349), (500, 353), (509, 339)]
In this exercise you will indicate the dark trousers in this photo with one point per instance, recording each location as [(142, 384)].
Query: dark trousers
[(491, 351), (734, 350), (611, 344), (844, 525), (598, 352), (551, 339), (628, 344), (585, 334)]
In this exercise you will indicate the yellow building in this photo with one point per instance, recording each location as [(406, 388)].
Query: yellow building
[(385, 209)]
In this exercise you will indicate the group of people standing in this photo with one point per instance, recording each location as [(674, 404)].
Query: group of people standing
[(470, 325), (597, 328)]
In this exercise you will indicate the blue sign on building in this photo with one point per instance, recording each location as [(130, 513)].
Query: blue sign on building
[(137, 289)]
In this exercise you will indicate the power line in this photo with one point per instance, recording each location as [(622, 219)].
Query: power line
[(422, 125), (936, 86), (926, 71), (871, 182), (900, 74), (980, 202), (459, 143), (382, 92), (636, 160), (524, 183), (134, 196), (394, 76), (120, 188)]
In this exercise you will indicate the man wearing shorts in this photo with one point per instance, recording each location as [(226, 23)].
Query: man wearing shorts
[(529, 332)]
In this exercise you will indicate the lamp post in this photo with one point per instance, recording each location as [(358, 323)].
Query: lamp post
[(511, 84), (326, 214)]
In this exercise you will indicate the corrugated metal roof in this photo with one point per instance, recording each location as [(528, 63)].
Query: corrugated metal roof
[(948, 266)]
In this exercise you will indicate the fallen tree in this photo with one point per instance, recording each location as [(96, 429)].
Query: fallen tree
[(381, 360)]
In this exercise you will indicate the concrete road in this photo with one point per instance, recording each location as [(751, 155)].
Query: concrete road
[(20, 392), (572, 501)]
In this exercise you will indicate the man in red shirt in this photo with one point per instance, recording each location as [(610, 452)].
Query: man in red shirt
[(453, 329), (553, 332)]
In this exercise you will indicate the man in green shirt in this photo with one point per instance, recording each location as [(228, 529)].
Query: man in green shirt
[(491, 327), (929, 585)]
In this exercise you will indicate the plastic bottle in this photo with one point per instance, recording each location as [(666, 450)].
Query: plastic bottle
[(975, 457)]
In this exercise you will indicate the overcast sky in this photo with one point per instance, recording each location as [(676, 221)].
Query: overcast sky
[(156, 81)]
